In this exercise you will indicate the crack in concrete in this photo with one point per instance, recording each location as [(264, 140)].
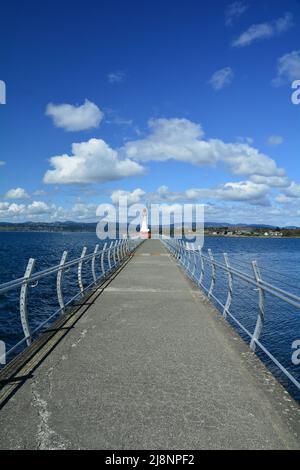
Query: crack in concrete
[(82, 335), (47, 438)]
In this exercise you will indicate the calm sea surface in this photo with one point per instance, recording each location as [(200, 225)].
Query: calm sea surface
[(279, 260)]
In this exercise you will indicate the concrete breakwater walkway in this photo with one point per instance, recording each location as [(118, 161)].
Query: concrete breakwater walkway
[(149, 364)]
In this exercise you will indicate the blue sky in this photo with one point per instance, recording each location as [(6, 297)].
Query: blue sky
[(170, 102)]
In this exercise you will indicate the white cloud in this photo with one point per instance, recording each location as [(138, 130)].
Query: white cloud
[(238, 191), (38, 208), (288, 68), (2, 163), (21, 193), (243, 191), (293, 190), (274, 140), (132, 197), (40, 211), (284, 23), (226, 203), (82, 211), (243, 159), (290, 195), (75, 118), (261, 31), (221, 78), (233, 191), (3, 206), (181, 139), (256, 190), (283, 199), (15, 209), (271, 181), (164, 194), (10, 209), (177, 139), (234, 11), (92, 162), (17, 193), (116, 77)]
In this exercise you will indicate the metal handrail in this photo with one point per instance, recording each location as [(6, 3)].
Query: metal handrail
[(267, 287), (182, 253), (115, 254), (10, 285)]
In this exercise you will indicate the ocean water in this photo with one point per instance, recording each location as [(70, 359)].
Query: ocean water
[(278, 259)]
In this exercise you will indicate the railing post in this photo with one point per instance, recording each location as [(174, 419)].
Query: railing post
[(80, 270), (184, 256), (114, 253), (213, 273), (179, 251), (23, 301), (102, 258), (108, 256), (93, 263), (194, 264), (58, 281), (202, 268), (261, 304), (188, 257), (230, 286), (122, 248), (118, 251)]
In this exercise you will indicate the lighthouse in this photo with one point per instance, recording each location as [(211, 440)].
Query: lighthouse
[(144, 231)]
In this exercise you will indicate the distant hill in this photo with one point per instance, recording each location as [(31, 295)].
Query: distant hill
[(226, 224), (71, 226), (67, 226)]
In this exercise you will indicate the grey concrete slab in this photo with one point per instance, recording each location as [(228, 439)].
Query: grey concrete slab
[(152, 365)]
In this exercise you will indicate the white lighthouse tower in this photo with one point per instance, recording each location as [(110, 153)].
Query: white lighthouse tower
[(144, 231)]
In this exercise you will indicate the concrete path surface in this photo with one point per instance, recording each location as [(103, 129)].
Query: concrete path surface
[(150, 365)]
